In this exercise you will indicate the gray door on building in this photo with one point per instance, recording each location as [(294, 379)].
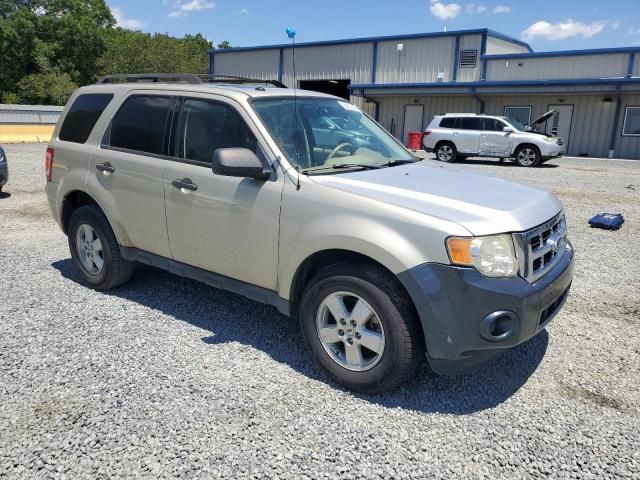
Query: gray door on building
[(412, 120), (560, 124)]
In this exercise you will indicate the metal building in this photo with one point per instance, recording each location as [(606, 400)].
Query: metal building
[(404, 80)]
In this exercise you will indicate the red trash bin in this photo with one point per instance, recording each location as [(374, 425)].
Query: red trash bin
[(414, 141)]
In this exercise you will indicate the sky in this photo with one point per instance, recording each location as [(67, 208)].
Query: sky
[(544, 24)]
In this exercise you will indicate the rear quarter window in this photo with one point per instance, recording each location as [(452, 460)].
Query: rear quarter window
[(451, 122), (83, 116)]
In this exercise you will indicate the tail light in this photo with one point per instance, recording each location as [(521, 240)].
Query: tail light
[(48, 163), (425, 134)]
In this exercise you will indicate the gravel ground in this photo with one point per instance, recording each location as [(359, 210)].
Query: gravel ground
[(166, 377)]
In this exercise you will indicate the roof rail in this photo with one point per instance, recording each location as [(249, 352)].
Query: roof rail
[(191, 78), (151, 78), (241, 80)]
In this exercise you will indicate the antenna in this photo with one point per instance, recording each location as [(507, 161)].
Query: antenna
[(291, 33)]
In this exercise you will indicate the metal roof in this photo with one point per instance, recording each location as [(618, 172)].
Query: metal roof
[(453, 33)]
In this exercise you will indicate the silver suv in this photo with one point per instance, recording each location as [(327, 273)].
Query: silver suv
[(461, 135), (382, 258)]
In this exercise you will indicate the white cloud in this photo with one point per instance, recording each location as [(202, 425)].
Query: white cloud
[(615, 25), (127, 23), (472, 8), (244, 11), (444, 11), (502, 9), (182, 9), (561, 30)]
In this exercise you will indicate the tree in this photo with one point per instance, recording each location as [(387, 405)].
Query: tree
[(60, 39), (138, 52), (49, 47), (224, 45), (52, 88)]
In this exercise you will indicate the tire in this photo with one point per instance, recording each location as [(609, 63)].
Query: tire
[(446, 152), (95, 250), (527, 156), (392, 330)]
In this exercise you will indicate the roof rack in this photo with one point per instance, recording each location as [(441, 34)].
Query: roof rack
[(189, 78), (241, 80), (151, 78)]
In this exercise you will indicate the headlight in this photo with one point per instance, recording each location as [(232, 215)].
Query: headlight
[(492, 256), (550, 139)]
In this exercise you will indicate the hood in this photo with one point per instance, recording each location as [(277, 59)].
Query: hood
[(481, 204), (543, 118)]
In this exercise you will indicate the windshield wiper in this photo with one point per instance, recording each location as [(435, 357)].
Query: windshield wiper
[(393, 163), (340, 166)]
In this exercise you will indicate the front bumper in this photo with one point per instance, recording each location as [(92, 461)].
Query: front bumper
[(455, 304)]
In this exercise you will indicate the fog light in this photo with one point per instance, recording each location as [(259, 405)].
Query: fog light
[(498, 326)]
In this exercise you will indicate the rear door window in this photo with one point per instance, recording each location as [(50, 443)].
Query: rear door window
[(205, 126), (470, 123), (83, 116), (141, 123)]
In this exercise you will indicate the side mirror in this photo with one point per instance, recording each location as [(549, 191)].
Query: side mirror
[(238, 162), (507, 130)]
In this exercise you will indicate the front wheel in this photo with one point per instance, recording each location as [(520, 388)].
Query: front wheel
[(527, 156), (361, 328), (446, 152)]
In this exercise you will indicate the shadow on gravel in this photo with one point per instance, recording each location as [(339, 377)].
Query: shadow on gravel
[(4, 195), (231, 318)]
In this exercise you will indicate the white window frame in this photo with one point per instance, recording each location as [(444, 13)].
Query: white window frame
[(520, 106), (624, 124)]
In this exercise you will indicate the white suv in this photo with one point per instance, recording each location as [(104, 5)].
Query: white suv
[(462, 135)]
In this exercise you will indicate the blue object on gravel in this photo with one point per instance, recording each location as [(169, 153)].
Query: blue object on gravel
[(608, 221)]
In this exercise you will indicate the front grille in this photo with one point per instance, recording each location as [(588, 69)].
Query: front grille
[(542, 247), (559, 141)]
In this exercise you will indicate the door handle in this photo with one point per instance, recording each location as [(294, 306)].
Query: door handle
[(185, 184), (105, 167)]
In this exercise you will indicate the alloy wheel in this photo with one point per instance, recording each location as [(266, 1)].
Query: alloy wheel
[(445, 153), (89, 248), (350, 331), (526, 157)]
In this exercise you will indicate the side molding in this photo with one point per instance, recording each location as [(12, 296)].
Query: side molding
[(212, 279)]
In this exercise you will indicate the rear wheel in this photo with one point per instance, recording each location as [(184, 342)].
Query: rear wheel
[(95, 250), (446, 152), (527, 156), (361, 327)]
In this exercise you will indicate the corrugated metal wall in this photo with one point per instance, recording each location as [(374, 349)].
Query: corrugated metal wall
[(591, 123), (588, 66), (591, 126), (627, 147), (636, 65), (343, 62), (392, 109), (471, 42), (29, 114), (262, 64), (420, 61), (496, 46)]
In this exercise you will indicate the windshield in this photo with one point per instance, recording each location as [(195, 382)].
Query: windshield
[(329, 134), (516, 124)]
